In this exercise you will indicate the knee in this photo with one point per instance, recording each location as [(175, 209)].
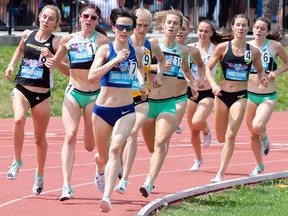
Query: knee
[(19, 122), (103, 159), (90, 147), (114, 150), (230, 137), (257, 128), (40, 141), (197, 124), (70, 138)]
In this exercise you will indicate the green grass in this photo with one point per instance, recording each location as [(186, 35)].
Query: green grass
[(6, 86), (60, 82), (264, 199)]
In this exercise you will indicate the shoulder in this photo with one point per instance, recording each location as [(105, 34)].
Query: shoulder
[(274, 45), (101, 39), (68, 37), (138, 50), (154, 40), (26, 33), (183, 49)]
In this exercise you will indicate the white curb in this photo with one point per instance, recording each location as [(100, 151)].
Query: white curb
[(165, 200)]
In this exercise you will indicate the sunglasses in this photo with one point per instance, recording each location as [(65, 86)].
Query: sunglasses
[(122, 27), (93, 17)]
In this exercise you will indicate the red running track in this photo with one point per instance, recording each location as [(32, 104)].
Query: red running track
[(16, 197)]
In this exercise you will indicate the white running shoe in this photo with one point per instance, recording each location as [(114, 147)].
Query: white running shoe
[(218, 178), (207, 139), (38, 185), (179, 129), (257, 170), (67, 193), (100, 182), (121, 187), (14, 169), (196, 165), (105, 204)]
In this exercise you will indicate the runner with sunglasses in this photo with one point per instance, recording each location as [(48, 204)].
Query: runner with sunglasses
[(160, 123), (80, 94), (116, 65), (32, 91), (261, 101), (144, 19)]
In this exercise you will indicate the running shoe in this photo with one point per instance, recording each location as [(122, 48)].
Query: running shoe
[(14, 169), (146, 190), (105, 204), (196, 165), (121, 187), (218, 178), (67, 193), (38, 185), (120, 173), (179, 129), (257, 170), (265, 146), (207, 139), (100, 182)]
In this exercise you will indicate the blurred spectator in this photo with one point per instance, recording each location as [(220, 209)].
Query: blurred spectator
[(105, 6), (267, 9), (211, 8), (167, 4), (252, 11), (223, 13), (23, 16), (147, 3), (192, 14)]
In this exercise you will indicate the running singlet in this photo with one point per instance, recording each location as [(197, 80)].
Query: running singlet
[(236, 68), (205, 60), (81, 52), (32, 71), (180, 74), (122, 74), (267, 59), (173, 55), (147, 58)]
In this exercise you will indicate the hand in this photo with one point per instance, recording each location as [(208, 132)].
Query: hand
[(200, 84), (271, 75), (9, 71), (194, 92), (143, 93), (123, 55), (46, 53), (168, 65), (264, 81), (50, 63), (157, 81), (216, 90)]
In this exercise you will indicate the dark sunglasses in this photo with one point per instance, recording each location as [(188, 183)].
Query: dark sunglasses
[(122, 27), (86, 16)]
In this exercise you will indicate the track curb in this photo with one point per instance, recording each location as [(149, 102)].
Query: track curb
[(165, 200)]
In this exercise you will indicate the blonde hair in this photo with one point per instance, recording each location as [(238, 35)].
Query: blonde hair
[(58, 15), (143, 12)]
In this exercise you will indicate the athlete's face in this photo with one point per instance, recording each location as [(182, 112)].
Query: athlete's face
[(182, 33), (88, 19), (48, 20), (240, 27), (142, 26), (123, 28), (260, 30), (171, 24), (204, 32)]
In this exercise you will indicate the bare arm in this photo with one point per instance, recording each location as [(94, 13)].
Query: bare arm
[(217, 55), (17, 54), (256, 60), (156, 51), (280, 51), (195, 54), (140, 74), (99, 68)]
